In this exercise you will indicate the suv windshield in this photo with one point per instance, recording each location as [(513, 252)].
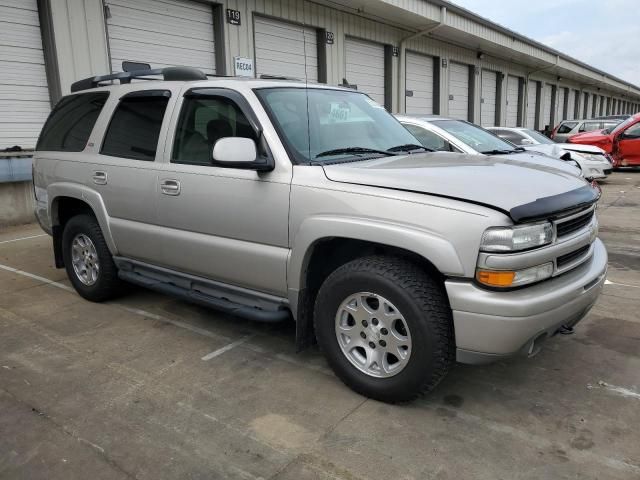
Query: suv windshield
[(540, 138), (477, 138), (322, 125)]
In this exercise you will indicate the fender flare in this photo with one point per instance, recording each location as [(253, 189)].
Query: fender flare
[(428, 244), (92, 198)]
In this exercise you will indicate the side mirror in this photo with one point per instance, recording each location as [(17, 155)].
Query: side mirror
[(239, 152), (526, 141), (235, 150)]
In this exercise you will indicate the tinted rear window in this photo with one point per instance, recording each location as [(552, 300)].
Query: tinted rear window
[(70, 123), (135, 126)]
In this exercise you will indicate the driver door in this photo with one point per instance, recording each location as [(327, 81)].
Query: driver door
[(218, 222), (628, 146)]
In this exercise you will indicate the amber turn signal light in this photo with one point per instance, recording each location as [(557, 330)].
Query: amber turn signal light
[(495, 279)]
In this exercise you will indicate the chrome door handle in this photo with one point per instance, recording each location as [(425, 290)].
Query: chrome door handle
[(99, 178), (170, 187)]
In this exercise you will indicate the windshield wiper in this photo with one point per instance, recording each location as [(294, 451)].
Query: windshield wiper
[(503, 152), (354, 150), (409, 147)]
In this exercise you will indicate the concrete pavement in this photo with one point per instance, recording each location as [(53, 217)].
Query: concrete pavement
[(153, 388)]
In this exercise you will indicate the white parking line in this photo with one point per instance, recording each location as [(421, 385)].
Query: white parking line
[(608, 282), (625, 392), (226, 348), (23, 238), (36, 277)]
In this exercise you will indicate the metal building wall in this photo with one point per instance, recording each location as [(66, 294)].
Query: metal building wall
[(82, 48)]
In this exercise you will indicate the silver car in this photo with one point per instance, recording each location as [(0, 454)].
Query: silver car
[(567, 128), (276, 200), (593, 161), (449, 134)]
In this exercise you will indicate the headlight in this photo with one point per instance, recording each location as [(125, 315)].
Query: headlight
[(515, 278), (519, 237), (596, 158)]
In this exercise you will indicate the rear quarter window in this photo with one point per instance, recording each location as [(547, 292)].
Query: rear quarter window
[(134, 128), (70, 123)]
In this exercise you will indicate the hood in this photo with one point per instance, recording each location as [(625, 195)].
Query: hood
[(596, 138), (583, 137), (592, 149), (520, 185), (553, 151)]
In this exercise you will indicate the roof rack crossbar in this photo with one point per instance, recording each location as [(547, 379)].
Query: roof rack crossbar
[(266, 76), (168, 73)]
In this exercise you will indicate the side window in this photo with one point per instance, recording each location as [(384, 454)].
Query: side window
[(590, 126), (566, 127), (427, 138), (633, 132), (135, 125), (203, 121), (71, 121)]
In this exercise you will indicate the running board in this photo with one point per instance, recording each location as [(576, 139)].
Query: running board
[(185, 289)]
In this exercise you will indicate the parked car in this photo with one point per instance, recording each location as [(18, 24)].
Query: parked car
[(622, 142), (272, 199), (593, 161), (448, 134), (614, 117), (567, 128)]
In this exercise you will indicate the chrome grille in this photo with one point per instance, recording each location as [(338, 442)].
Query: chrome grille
[(573, 224)]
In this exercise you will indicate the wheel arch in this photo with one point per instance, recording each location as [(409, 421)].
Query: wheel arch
[(68, 200), (324, 244)]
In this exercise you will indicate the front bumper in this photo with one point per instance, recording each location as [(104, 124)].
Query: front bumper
[(595, 170), (490, 325)]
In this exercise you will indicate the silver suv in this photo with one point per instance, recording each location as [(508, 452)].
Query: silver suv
[(274, 199)]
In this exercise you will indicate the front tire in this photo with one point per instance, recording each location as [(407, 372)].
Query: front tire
[(385, 327), (88, 261)]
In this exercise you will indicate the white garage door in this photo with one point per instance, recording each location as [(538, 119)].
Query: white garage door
[(512, 101), (24, 95), (488, 98), (546, 115), (532, 97), (364, 67), (286, 49), (459, 91), (419, 74), (162, 33), (560, 106)]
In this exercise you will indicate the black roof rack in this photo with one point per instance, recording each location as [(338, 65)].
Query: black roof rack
[(168, 73), (266, 76)]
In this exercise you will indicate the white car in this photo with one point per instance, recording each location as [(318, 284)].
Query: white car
[(444, 134), (592, 160)]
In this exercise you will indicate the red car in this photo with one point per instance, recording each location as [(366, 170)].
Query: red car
[(622, 143)]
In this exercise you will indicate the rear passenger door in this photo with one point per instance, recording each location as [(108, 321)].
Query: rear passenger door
[(219, 222), (125, 172)]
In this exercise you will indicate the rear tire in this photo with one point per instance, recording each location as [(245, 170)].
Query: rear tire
[(385, 327), (88, 261)]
